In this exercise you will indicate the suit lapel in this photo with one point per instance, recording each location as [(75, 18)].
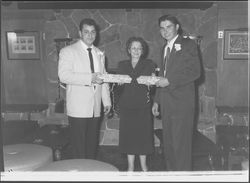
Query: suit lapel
[(173, 52), (139, 67), (81, 48), (135, 72)]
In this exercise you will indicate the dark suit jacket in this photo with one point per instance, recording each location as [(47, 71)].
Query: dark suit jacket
[(183, 68), (134, 95)]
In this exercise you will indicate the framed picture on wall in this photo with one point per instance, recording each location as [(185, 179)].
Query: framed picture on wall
[(23, 45), (235, 45)]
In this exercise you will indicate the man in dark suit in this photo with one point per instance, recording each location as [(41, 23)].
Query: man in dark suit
[(176, 94)]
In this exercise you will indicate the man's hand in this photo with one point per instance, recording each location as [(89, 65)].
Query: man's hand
[(163, 82), (155, 109), (107, 109), (96, 79)]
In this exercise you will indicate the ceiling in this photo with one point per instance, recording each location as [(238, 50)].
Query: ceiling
[(114, 4)]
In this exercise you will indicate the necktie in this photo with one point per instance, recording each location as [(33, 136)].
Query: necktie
[(166, 60), (91, 60)]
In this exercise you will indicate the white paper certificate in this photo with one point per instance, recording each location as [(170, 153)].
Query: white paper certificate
[(148, 79), (115, 78)]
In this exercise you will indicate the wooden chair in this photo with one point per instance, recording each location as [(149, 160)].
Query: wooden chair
[(234, 143)]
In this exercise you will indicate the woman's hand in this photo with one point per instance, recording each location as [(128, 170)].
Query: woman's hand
[(155, 109), (107, 109)]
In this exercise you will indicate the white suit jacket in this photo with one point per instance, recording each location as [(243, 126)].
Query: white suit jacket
[(83, 99)]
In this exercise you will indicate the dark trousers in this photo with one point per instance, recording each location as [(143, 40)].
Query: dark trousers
[(84, 137), (177, 141)]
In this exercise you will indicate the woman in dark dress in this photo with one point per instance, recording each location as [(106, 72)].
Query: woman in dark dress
[(136, 122)]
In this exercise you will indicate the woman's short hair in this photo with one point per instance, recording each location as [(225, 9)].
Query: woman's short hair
[(143, 44), (172, 19)]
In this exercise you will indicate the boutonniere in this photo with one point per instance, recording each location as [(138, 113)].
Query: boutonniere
[(177, 47), (101, 55)]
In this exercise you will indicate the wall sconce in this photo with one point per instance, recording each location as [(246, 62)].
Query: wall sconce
[(196, 38)]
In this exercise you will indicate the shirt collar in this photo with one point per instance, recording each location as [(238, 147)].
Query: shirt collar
[(85, 46), (170, 44)]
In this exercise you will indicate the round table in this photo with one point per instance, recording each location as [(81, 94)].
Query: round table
[(26, 157), (78, 165)]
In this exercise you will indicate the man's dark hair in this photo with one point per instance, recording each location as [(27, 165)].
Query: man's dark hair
[(88, 21), (172, 19)]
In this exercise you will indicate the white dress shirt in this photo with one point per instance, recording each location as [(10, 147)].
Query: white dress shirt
[(170, 45)]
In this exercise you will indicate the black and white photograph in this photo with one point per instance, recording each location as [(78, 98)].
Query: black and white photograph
[(124, 91), (23, 45), (236, 44)]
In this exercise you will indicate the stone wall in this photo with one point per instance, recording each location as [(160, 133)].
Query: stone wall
[(116, 26)]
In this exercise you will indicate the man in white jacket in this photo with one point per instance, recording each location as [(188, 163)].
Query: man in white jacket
[(85, 91)]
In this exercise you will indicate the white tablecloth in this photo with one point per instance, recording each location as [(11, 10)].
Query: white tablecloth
[(78, 165), (26, 157)]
